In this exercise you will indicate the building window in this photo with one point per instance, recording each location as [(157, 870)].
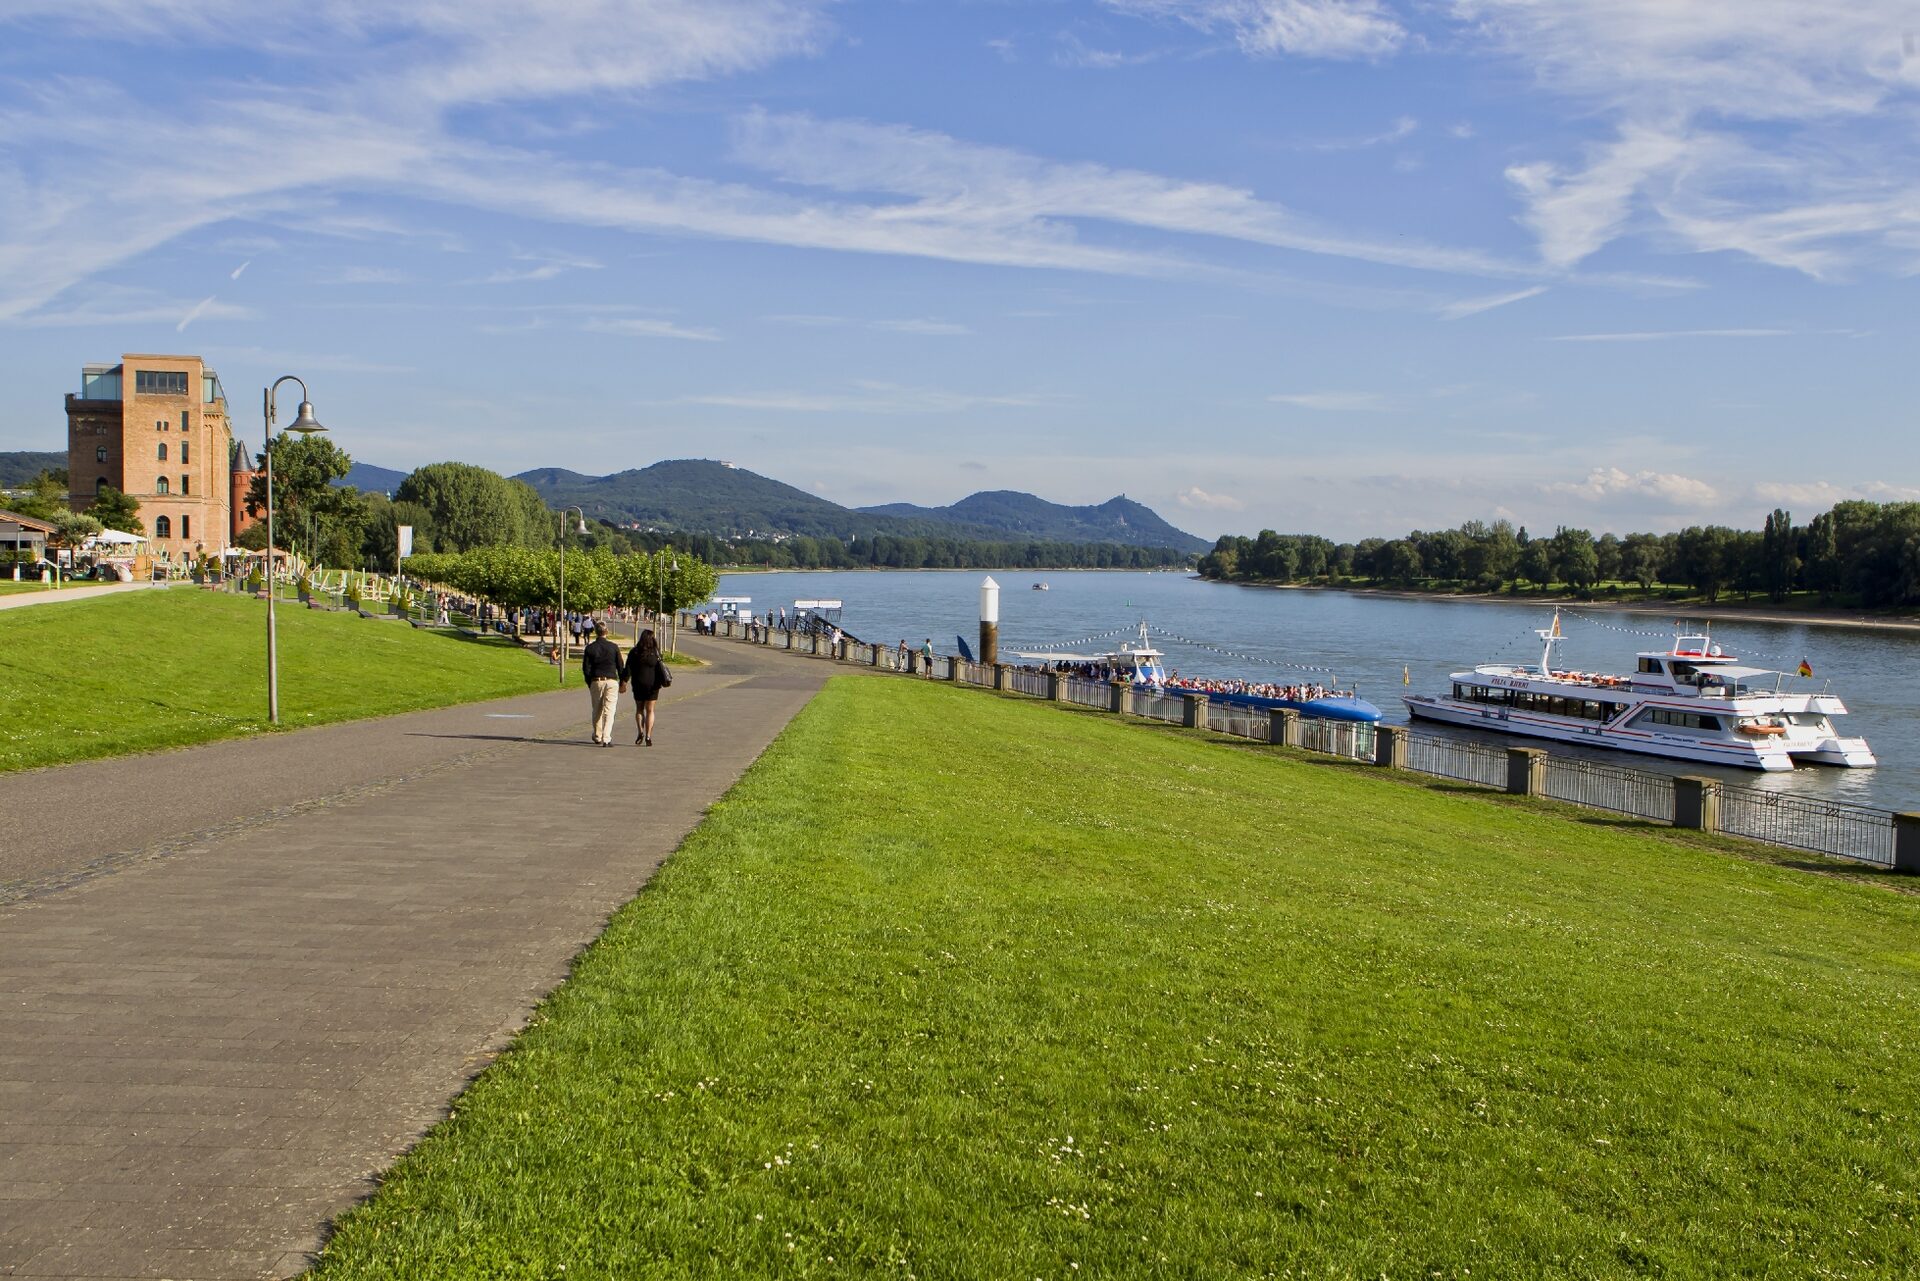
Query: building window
[(163, 451), (162, 527), (99, 486), (186, 483), (159, 424), (183, 452), (183, 420), (186, 527), (159, 382), (99, 453), (160, 486)]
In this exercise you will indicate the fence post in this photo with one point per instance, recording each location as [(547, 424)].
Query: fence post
[(1056, 688), (955, 672), (1526, 771), (1696, 803), (1117, 697), (1193, 711), (1906, 843), (873, 655), (1390, 746), (1000, 676), (1283, 727)]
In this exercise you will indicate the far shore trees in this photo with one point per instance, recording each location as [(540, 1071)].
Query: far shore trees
[(1863, 552)]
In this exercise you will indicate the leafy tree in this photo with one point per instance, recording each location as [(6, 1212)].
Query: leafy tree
[(309, 511), (1642, 557), (74, 527), (1574, 561), (468, 507), (44, 497), (116, 510)]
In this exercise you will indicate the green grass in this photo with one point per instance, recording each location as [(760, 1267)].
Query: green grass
[(956, 986), (146, 670), (10, 588)]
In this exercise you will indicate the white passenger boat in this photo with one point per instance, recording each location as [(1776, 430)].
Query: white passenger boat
[(1693, 702)]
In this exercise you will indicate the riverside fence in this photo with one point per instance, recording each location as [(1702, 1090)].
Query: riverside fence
[(1838, 829)]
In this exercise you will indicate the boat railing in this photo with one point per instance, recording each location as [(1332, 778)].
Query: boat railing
[(1807, 823)]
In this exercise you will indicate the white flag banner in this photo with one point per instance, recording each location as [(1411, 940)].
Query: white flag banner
[(406, 541)]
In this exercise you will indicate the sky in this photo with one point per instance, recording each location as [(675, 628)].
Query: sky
[(1346, 267)]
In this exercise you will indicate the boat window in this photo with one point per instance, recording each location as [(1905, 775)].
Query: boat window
[(1681, 720), (1649, 665), (1592, 711), (1681, 671)]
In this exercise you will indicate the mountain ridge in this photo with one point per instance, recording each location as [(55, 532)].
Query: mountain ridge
[(710, 497)]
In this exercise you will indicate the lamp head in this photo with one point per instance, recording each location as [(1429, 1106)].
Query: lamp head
[(304, 422), (583, 526)]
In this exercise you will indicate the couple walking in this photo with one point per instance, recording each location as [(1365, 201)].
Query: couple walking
[(608, 677)]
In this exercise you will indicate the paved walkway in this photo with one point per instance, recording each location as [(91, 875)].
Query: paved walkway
[(52, 596), (220, 1019)]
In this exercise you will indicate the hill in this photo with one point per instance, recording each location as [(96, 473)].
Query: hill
[(371, 479), (702, 496), (1118, 520), (21, 466)]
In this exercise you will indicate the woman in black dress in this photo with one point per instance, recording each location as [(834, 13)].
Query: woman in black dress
[(648, 676)]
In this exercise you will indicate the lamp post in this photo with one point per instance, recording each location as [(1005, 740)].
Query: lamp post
[(560, 615), (306, 424), (660, 599)]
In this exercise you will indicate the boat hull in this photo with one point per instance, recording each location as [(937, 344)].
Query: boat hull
[(1758, 754), (1326, 709)]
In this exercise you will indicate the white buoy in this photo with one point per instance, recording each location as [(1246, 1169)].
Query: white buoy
[(989, 621)]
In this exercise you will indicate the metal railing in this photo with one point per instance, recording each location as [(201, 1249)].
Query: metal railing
[(1087, 693), (1156, 707), (1836, 828), (1239, 720), (975, 673), (1457, 759), (1609, 787), (1351, 739), (1034, 683)]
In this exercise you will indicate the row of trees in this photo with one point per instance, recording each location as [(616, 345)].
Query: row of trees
[(1859, 551), (516, 578), (887, 551)]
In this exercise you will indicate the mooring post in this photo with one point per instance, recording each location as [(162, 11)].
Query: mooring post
[(1906, 843), (989, 622), (1390, 746), (1526, 771), (1283, 727), (1696, 803)]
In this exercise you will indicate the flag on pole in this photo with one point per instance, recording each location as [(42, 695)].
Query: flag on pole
[(1806, 668), (1406, 675)]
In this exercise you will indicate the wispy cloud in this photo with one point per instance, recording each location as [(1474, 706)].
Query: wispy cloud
[(1667, 335), (648, 327), (1308, 28), (869, 397), (112, 306), (235, 273), (1196, 499), (921, 326), (1465, 307), (1612, 484), (193, 313), (1399, 131), (1073, 53), (366, 276), (1340, 401)]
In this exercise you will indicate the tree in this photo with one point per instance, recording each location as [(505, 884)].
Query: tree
[(1642, 557), (325, 520), (44, 497), (1606, 554), (116, 510), (470, 507), (1780, 560), (71, 528), (1573, 559)]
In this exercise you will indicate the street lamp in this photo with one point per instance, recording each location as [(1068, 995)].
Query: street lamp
[(560, 615), (306, 424)]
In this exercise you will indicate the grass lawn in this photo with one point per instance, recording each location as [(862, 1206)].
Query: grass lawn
[(144, 670), (954, 986), (10, 588)]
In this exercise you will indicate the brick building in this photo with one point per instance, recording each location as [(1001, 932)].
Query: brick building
[(155, 427)]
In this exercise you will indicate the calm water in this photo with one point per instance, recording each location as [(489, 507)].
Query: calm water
[(1369, 641)]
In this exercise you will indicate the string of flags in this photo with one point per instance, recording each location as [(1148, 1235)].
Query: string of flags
[(1241, 656), (1803, 667)]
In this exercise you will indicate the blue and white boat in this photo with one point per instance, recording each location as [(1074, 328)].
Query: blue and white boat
[(1143, 665)]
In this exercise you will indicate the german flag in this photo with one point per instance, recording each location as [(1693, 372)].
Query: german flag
[(1806, 668)]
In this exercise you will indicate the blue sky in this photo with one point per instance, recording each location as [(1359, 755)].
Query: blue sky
[(1340, 266)]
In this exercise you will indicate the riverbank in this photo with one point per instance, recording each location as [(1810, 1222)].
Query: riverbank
[(1696, 610)]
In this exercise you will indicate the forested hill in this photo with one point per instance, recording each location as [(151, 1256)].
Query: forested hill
[(706, 497), (21, 466), (1118, 520)]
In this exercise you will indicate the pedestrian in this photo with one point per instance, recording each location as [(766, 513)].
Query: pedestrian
[(600, 665), (926, 657), (647, 675), (903, 661)]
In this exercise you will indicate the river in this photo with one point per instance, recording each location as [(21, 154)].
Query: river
[(1369, 641)]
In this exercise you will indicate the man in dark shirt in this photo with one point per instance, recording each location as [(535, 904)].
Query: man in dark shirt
[(600, 664)]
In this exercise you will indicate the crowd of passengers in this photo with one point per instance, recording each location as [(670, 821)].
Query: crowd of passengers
[(1189, 684)]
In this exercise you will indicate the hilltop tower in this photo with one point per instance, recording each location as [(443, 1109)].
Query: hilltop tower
[(156, 428)]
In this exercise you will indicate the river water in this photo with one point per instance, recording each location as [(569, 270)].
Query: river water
[(1370, 641)]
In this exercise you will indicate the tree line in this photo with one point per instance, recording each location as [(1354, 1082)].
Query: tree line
[(517, 578), (1858, 552)]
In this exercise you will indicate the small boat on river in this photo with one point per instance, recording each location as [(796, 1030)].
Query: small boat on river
[(1143, 665), (1692, 702)]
